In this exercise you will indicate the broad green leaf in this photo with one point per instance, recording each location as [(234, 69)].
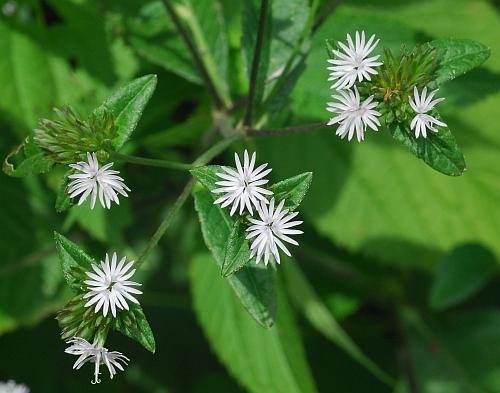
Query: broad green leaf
[(293, 190), (456, 57), (63, 201), (206, 23), (262, 360), (127, 105), (237, 252), (74, 260), (253, 285), (303, 295), (134, 324), (439, 150), (26, 159), (463, 272)]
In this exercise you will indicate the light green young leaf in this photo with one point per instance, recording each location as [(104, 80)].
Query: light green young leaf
[(456, 57), (262, 360), (253, 285), (237, 252), (134, 324), (127, 105), (74, 261), (303, 295), (439, 150), (26, 159), (462, 273), (293, 190)]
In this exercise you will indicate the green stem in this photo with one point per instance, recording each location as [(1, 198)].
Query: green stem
[(284, 130), (151, 162), (166, 222), (215, 150)]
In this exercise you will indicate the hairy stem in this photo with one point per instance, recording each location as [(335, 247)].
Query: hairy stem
[(264, 5), (219, 103), (151, 162), (285, 130)]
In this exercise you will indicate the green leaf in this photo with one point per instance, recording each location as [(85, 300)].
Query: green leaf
[(237, 252), (456, 57), (26, 159), (293, 190), (63, 201), (262, 360), (253, 285), (303, 295), (439, 150), (134, 324), (462, 273), (207, 175), (127, 105), (74, 261)]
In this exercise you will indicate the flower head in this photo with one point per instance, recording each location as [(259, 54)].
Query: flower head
[(353, 115), (243, 187), (94, 180), (88, 352), (109, 286), (421, 105), (271, 231), (353, 63), (12, 387)]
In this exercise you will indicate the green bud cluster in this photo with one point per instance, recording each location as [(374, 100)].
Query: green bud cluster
[(67, 139)]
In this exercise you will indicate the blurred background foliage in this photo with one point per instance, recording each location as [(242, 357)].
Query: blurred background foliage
[(406, 259)]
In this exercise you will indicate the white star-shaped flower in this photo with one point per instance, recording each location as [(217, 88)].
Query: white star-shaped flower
[(243, 187), (94, 180), (271, 231), (109, 286), (421, 105), (354, 63), (13, 387), (88, 352), (353, 115)]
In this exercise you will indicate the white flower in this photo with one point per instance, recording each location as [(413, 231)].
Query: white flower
[(421, 105), (353, 115), (12, 387), (354, 63), (88, 352), (271, 231), (109, 286), (243, 187), (103, 181)]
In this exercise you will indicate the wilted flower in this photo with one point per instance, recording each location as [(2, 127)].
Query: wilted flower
[(354, 63), (109, 286), (94, 180), (243, 187), (271, 231), (353, 115), (421, 105), (98, 355)]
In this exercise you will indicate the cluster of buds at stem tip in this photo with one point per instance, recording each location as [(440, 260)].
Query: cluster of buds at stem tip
[(67, 138)]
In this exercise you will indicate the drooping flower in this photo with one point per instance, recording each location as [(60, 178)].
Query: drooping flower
[(93, 181), (422, 104), (352, 114), (353, 63), (13, 387), (109, 286), (243, 187), (271, 231), (98, 355)]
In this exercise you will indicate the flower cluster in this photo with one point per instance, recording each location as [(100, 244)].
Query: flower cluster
[(353, 63), (244, 188)]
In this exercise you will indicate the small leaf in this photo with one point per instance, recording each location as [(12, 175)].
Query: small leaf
[(134, 324), (63, 201), (237, 252), (462, 273), (439, 150), (293, 190), (26, 159), (253, 285), (127, 105), (207, 175), (456, 57), (303, 295), (74, 261)]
